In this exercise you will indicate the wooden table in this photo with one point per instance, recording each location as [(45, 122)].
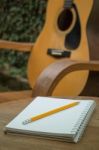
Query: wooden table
[(8, 110)]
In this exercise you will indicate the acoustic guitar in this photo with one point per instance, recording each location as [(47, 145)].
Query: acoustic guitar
[(63, 37)]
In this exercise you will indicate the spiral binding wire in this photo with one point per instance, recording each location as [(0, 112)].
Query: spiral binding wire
[(78, 136), (78, 124)]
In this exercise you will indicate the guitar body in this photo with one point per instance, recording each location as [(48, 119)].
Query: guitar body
[(59, 36)]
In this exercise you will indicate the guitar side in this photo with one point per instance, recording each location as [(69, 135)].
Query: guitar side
[(52, 37)]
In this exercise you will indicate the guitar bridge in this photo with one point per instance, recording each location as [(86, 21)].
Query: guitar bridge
[(58, 53)]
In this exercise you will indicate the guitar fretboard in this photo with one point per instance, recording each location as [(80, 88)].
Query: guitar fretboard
[(68, 3)]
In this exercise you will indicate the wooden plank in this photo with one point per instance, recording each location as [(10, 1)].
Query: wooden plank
[(25, 47), (17, 95)]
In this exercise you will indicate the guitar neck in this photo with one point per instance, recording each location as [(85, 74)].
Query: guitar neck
[(68, 3)]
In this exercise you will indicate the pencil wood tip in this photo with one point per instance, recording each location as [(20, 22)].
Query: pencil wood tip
[(26, 121)]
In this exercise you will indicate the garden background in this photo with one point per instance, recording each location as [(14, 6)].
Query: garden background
[(22, 21)]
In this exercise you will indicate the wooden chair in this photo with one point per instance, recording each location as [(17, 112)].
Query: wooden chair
[(50, 76)]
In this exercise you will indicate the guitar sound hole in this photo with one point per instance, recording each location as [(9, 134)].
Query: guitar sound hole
[(73, 38), (65, 19)]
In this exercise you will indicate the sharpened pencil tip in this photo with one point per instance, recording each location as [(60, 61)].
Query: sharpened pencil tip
[(26, 121)]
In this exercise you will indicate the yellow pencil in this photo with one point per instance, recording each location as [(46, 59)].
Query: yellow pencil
[(43, 115)]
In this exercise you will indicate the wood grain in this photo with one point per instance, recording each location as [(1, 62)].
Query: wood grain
[(50, 77), (9, 110), (25, 47), (14, 95)]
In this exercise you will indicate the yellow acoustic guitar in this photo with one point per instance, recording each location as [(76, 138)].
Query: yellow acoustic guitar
[(63, 37)]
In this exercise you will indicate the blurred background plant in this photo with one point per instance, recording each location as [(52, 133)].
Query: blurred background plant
[(22, 21)]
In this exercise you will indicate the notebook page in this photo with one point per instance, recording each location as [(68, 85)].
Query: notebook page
[(61, 123)]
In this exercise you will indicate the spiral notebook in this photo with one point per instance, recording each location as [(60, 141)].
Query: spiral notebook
[(67, 125)]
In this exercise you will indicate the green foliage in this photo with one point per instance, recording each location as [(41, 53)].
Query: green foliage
[(20, 20)]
